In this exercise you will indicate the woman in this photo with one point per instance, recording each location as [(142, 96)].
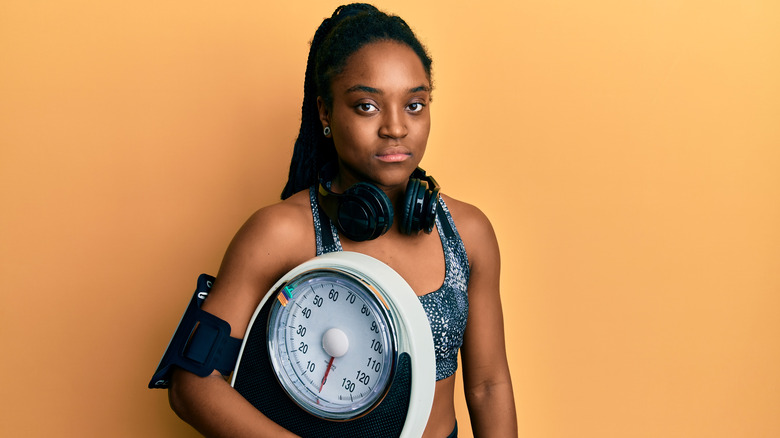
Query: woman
[(366, 119)]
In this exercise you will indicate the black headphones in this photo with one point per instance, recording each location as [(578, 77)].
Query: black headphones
[(364, 212)]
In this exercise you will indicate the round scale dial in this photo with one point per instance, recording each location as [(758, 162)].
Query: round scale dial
[(332, 343)]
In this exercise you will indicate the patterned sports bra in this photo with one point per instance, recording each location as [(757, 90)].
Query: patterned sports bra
[(447, 307)]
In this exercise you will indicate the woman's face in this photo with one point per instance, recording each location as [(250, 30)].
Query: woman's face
[(380, 117)]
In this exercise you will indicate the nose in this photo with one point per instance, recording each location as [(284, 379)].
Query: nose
[(393, 125)]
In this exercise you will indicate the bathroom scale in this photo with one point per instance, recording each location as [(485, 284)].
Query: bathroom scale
[(340, 346)]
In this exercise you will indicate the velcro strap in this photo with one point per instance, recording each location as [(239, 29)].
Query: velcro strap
[(200, 344)]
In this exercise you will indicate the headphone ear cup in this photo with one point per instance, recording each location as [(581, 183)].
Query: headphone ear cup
[(428, 213), (364, 212), (414, 202), (420, 203)]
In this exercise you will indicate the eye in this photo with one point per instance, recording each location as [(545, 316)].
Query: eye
[(415, 107), (366, 107)]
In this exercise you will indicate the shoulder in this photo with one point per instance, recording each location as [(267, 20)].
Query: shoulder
[(475, 230), (291, 213), (467, 217), (278, 229)]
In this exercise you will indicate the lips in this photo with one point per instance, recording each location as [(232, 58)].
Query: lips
[(394, 155)]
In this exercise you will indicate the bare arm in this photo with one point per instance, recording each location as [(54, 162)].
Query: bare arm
[(215, 409), (486, 378), (272, 241)]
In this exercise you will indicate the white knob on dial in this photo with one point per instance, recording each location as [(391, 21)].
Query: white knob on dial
[(335, 342)]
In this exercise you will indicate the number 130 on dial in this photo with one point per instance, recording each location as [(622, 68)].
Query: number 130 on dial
[(332, 344)]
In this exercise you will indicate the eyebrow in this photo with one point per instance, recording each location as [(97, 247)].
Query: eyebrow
[(372, 90)]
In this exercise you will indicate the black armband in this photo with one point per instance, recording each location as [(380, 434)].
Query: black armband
[(201, 342)]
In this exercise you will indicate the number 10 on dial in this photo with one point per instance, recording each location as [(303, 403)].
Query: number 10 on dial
[(332, 344)]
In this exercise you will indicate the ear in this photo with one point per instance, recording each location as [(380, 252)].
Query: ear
[(324, 112)]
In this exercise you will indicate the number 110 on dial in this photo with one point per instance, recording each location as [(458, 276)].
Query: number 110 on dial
[(332, 344)]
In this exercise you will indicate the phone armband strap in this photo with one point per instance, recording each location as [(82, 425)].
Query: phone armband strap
[(200, 344)]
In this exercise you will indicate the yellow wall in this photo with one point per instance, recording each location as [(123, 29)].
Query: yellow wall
[(627, 152)]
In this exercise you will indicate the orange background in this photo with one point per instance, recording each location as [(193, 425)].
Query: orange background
[(628, 154)]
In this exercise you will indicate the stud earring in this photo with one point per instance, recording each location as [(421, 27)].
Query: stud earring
[(326, 131)]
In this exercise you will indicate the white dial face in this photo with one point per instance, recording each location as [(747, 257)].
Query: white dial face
[(332, 344)]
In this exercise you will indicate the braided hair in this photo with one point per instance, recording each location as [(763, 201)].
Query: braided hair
[(349, 28)]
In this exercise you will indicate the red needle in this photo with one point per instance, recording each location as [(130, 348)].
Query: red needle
[(327, 371)]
